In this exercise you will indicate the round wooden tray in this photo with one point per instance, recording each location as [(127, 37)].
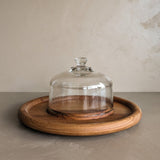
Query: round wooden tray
[(34, 115)]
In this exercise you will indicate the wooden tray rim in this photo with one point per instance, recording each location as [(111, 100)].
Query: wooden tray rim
[(72, 129)]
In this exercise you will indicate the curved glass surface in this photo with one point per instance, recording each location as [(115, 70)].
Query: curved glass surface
[(80, 91)]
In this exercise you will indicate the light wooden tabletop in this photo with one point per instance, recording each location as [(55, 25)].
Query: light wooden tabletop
[(141, 142)]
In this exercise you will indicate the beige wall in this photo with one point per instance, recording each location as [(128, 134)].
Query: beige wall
[(40, 38)]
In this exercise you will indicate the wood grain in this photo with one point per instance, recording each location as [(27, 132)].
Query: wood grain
[(80, 107), (34, 115)]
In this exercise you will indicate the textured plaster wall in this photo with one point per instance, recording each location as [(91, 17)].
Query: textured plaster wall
[(40, 38)]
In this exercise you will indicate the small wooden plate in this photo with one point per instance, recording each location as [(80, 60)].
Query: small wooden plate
[(34, 115)]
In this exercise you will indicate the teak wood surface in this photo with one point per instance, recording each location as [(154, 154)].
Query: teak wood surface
[(34, 115), (80, 107)]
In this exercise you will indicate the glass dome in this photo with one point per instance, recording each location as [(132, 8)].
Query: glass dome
[(80, 93)]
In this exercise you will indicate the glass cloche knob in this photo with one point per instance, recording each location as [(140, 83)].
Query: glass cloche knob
[(80, 93), (81, 61), (81, 69)]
